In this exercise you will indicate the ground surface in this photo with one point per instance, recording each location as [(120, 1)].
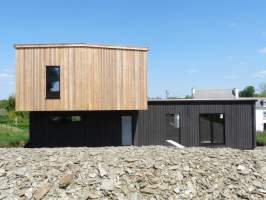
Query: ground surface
[(132, 173)]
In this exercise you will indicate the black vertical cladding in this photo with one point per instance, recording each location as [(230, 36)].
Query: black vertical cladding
[(239, 121), (97, 128), (103, 128)]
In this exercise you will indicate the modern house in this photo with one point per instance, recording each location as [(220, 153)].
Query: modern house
[(96, 95)]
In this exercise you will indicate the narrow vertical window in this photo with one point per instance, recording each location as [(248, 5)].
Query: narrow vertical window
[(52, 82)]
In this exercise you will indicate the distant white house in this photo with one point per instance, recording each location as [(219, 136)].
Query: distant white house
[(234, 94), (261, 114)]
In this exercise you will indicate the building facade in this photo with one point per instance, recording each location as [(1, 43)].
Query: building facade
[(92, 95), (261, 115)]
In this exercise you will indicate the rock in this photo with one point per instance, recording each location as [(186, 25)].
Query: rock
[(102, 171), (42, 191), (177, 191), (2, 172), (107, 185), (242, 169), (65, 180), (134, 173)]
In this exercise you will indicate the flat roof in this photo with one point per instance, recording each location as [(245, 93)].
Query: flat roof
[(65, 45), (195, 100)]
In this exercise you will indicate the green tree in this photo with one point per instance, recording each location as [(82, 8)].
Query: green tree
[(262, 89), (11, 103), (248, 91)]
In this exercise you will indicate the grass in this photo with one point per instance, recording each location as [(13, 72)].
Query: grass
[(13, 136), (261, 138)]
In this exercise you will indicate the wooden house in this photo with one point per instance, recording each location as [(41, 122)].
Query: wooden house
[(96, 95)]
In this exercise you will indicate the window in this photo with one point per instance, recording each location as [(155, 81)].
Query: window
[(212, 128), (52, 82), (74, 118), (173, 120), (264, 115), (59, 119), (126, 122), (56, 119), (173, 127)]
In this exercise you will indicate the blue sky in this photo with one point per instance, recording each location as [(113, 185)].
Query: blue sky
[(201, 44)]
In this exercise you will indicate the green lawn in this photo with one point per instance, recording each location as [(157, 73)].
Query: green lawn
[(261, 139), (13, 136)]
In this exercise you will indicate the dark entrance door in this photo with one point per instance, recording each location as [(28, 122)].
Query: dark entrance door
[(173, 127), (212, 129)]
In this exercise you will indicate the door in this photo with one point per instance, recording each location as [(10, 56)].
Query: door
[(212, 129), (126, 130), (173, 127)]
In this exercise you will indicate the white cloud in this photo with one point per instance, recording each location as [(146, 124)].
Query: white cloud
[(231, 77), (192, 71), (232, 25), (261, 74), (6, 75), (263, 50)]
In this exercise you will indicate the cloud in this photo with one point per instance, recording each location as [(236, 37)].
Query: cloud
[(232, 25), (6, 75), (231, 77), (261, 74), (192, 71), (263, 50)]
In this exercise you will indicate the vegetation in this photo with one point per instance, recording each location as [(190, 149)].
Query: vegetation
[(250, 91), (13, 125), (261, 138)]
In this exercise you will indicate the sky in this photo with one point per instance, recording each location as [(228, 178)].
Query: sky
[(192, 44)]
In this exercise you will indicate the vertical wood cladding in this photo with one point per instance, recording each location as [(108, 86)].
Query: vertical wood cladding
[(103, 128), (91, 78), (239, 122)]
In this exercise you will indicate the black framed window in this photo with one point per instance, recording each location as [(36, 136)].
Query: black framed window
[(212, 128), (65, 119), (173, 127), (52, 82)]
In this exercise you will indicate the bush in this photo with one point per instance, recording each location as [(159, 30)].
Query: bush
[(261, 138)]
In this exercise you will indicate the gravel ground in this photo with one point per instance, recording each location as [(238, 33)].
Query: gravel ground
[(153, 172)]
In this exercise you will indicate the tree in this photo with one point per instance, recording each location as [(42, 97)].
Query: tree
[(262, 89), (248, 91), (11, 103)]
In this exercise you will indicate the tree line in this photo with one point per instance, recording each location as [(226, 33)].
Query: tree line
[(250, 91)]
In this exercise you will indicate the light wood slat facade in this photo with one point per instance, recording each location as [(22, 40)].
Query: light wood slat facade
[(91, 77)]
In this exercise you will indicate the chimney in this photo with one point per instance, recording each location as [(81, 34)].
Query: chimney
[(193, 91), (236, 93)]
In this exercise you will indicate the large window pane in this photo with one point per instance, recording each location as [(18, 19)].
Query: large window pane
[(212, 128)]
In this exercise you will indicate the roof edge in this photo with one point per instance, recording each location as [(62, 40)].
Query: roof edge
[(62, 45), (195, 100)]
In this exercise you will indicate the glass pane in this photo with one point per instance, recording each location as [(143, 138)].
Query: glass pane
[(173, 120), (218, 128), (126, 130), (53, 77), (205, 129)]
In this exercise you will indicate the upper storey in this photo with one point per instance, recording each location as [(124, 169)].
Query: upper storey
[(64, 77)]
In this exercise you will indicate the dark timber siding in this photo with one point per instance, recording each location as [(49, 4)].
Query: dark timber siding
[(239, 122), (101, 128)]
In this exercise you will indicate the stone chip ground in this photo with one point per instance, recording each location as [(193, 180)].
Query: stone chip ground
[(153, 172)]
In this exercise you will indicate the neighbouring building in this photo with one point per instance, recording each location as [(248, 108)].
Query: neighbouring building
[(261, 114), (96, 95)]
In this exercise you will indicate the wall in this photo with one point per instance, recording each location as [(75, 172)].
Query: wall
[(96, 129), (91, 78), (259, 119), (239, 122)]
